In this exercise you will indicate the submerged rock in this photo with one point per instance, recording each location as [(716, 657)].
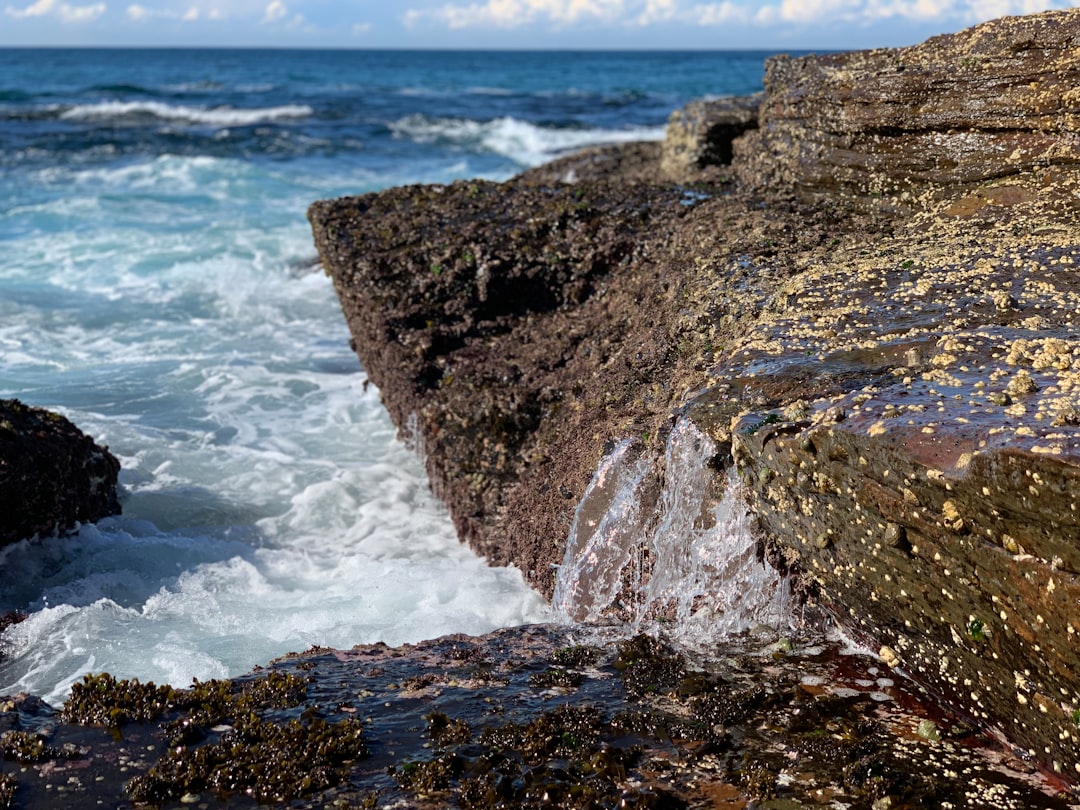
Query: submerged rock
[(52, 476), (877, 325)]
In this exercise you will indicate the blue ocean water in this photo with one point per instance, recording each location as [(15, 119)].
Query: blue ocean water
[(158, 286)]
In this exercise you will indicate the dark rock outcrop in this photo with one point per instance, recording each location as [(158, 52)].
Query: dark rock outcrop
[(877, 324), (52, 476)]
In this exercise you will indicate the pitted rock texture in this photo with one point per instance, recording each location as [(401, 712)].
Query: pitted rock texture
[(52, 476), (926, 479), (990, 102)]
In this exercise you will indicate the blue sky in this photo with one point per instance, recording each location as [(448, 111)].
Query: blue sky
[(707, 24)]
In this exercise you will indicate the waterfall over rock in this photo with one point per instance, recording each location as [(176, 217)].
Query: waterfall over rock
[(659, 541)]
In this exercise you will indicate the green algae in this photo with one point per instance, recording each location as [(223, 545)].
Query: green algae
[(648, 666), (555, 677), (558, 759), (224, 736), (27, 747)]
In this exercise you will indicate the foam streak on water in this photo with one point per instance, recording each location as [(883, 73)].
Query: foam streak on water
[(691, 560)]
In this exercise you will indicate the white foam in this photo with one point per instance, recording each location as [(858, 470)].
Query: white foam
[(268, 503), (524, 142), (215, 116)]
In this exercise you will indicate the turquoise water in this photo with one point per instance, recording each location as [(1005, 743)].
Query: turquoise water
[(157, 286)]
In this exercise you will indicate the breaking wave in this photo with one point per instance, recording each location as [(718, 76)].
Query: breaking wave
[(139, 111), (524, 142)]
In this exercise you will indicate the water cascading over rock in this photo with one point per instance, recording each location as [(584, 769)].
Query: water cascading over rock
[(652, 539)]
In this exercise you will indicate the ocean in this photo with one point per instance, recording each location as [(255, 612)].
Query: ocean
[(159, 286)]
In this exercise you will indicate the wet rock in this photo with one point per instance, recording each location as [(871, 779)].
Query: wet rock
[(629, 161), (988, 103), (52, 476), (642, 726), (493, 318)]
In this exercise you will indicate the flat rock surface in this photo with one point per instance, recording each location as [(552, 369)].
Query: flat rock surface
[(531, 717)]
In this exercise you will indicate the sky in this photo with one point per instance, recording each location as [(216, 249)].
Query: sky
[(472, 24)]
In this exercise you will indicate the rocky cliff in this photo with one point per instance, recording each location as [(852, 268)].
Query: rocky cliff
[(871, 311), (52, 475)]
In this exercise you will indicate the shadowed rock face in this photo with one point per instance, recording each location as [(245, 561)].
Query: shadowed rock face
[(879, 320), (52, 476), (993, 101), (701, 135)]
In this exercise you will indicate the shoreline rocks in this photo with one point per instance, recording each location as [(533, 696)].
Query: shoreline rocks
[(875, 321), (526, 717), (52, 476)]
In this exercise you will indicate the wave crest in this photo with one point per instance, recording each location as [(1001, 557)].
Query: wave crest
[(526, 143), (217, 116)]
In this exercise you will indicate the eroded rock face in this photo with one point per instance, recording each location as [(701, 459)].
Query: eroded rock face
[(993, 101), (52, 476)]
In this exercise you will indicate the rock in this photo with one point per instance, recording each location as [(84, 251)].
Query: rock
[(52, 476), (952, 515), (878, 327), (527, 717), (636, 161), (988, 103), (493, 319), (700, 135)]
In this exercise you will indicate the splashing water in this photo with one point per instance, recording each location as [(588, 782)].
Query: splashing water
[(674, 554)]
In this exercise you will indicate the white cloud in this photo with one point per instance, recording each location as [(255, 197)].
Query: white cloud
[(515, 13), (141, 13), (66, 13), (274, 12), (657, 11), (38, 9), (518, 13), (359, 29), (719, 13), (80, 14)]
